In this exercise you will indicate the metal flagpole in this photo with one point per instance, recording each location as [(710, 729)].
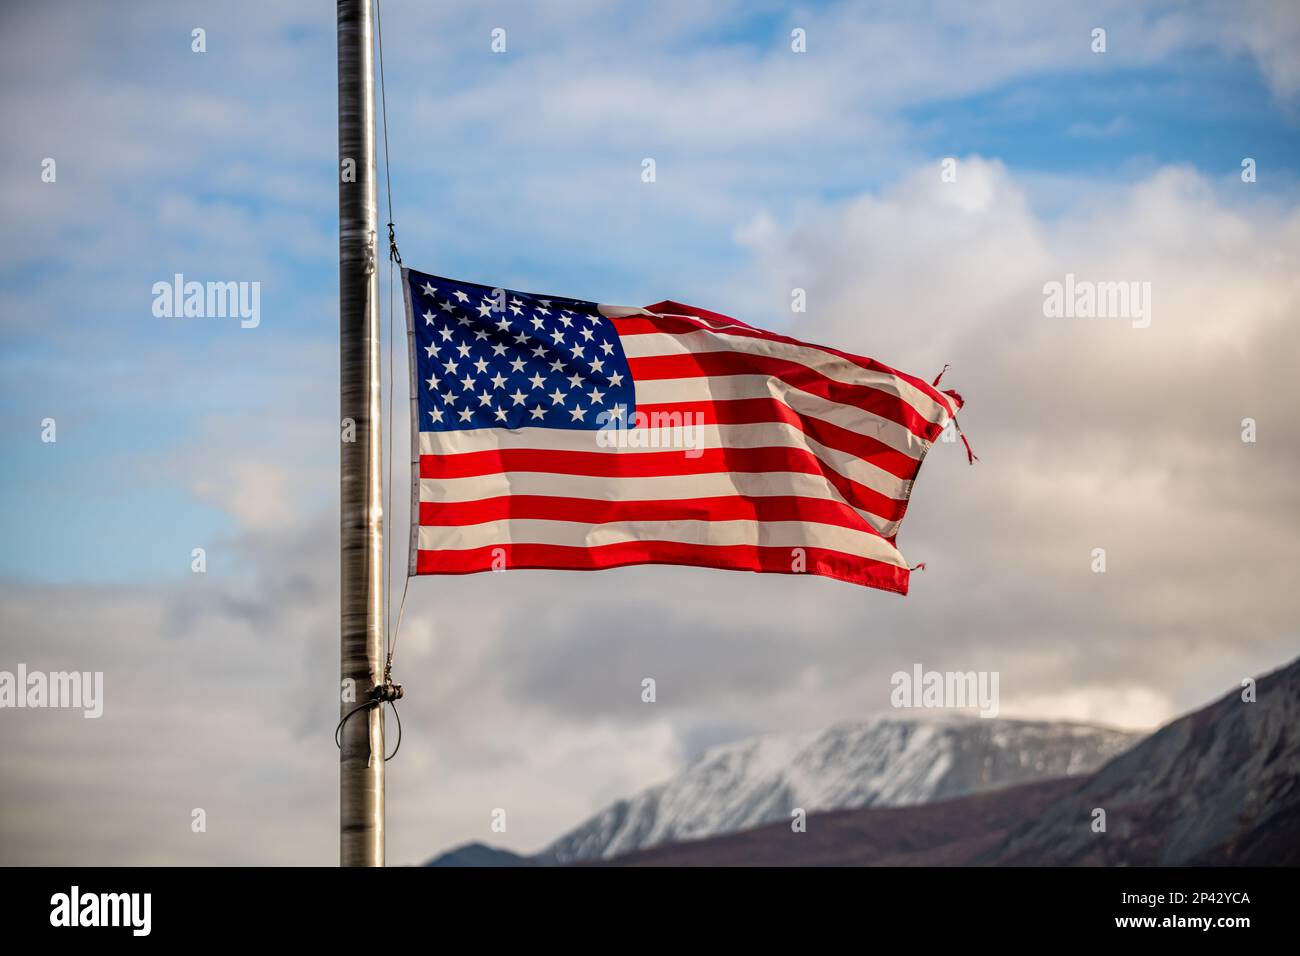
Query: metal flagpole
[(361, 767)]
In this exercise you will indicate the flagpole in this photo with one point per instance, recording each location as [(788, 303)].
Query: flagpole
[(361, 762)]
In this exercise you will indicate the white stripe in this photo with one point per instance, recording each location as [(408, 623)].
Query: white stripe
[(574, 534), (721, 388), (681, 438), (651, 344), (669, 488)]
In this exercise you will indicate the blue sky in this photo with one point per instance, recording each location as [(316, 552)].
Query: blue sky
[(775, 170), (236, 205)]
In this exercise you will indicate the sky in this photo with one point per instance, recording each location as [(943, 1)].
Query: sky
[(828, 170)]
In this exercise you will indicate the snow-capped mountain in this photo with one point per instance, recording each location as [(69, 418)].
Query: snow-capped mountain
[(882, 761), (1218, 787)]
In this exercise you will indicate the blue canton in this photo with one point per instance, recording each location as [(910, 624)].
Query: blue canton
[(495, 358)]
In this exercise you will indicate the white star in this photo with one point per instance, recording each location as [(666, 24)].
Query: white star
[(537, 380), (436, 415), (617, 412), (466, 415), (577, 351), (480, 335), (537, 323), (498, 349), (431, 350), (429, 290), (575, 380), (577, 413), (516, 310), (463, 349), (517, 365), (586, 334), (597, 397), (446, 307), (449, 398), (616, 379), (606, 348), (557, 397), (467, 383), (484, 307), (461, 296), (500, 414), (557, 365), (433, 381), (539, 352), (557, 337), (568, 322), (451, 366), (481, 366), (504, 325), (597, 365), (537, 412), (485, 398), (521, 339), (428, 317), (544, 311), (518, 397), (498, 380), (446, 334), (464, 320), (514, 301)]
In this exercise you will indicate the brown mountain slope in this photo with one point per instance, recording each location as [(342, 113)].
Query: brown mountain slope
[(1219, 786)]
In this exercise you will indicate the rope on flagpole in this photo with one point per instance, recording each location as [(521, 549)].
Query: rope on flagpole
[(393, 255), (388, 691), (392, 245), (394, 258)]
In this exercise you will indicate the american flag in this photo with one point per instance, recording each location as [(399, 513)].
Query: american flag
[(558, 433)]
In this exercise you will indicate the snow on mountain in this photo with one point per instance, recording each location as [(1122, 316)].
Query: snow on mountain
[(1219, 787), (882, 761)]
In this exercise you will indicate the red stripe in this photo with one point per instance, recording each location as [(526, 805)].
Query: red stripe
[(705, 364), (646, 325), (675, 318), (656, 464), (819, 561), (947, 399), (757, 411), (593, 511)]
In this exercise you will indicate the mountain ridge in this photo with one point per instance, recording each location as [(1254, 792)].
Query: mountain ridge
[(883, 760), (1219, 786)]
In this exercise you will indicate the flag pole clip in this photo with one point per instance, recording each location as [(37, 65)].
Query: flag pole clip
[(388, 691), (392, 245)]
